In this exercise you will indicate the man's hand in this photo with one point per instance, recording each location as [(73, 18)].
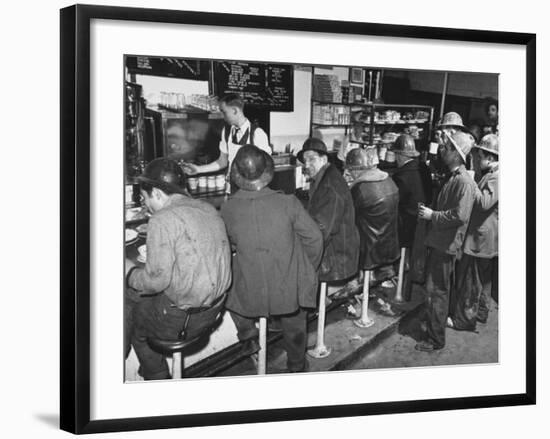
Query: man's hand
[(425, 213), (128, 265), (190, 168)]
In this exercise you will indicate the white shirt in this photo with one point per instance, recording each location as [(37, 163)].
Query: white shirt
[(259, 139)]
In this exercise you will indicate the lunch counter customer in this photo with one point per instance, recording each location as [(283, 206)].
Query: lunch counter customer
[(448, 221), (331, 206), (376, 200), (475, 269), (188, 262), (278, 249)]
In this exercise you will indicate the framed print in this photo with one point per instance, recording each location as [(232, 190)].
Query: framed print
[(357, 76), (197, 283)]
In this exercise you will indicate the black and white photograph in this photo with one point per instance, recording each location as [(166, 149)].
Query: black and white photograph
[(284, 218)]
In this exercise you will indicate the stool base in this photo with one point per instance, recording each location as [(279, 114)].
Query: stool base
[(319, 352), (363, 324)]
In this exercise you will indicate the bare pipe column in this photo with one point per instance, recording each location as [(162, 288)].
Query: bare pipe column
[(444, 95), (320, 350)]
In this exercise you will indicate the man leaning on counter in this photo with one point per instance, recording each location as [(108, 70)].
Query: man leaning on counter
[(239, 131)]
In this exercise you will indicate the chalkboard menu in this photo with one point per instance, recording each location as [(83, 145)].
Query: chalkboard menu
[(262, 85), (169, 67)]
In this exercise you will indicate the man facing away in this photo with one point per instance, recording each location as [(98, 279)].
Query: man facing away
[(376, 198), (237, 132), (278, 249), (188, 263), (449, 221)]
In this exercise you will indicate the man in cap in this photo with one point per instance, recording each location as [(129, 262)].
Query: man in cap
[(187, 266), (477, 265), (331, 206), (376, 199), (449, 222), (278, 249)]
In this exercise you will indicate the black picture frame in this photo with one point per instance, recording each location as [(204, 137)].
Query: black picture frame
[(75, 217)]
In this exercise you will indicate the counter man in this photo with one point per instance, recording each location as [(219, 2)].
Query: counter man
[(188, 263), (237, 132)]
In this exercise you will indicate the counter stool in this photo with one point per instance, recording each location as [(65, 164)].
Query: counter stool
[(365, 321), (321, 350), (204, 319), (398, 292), (262, 354)]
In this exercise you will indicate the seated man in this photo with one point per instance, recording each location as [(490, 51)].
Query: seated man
[(376, 199), (278, 249), (331, 206), (188, 262)]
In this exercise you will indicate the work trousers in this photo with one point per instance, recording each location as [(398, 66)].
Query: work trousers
[(294, 328), (156, 317), (439, 279), (472, 295)]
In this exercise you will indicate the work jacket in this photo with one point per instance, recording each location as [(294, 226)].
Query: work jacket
[(278, 249), (376, 199), (331, 206), (452, 212), (188, 255)]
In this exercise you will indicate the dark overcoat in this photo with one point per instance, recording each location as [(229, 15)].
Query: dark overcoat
[(331, 206), (278, 249), (376, 199), (412, 191)]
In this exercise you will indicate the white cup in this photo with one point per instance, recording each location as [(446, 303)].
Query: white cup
[(142, 249), (434, 146)]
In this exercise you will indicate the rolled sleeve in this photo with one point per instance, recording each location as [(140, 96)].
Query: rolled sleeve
[(223, 144), (261, 140)]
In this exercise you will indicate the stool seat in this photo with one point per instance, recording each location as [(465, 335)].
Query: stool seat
[(171, 346), (199, 323)]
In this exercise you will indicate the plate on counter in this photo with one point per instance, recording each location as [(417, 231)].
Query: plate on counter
[(135, 214)]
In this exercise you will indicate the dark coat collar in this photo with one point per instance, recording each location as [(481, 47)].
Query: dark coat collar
[(251, 195)]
